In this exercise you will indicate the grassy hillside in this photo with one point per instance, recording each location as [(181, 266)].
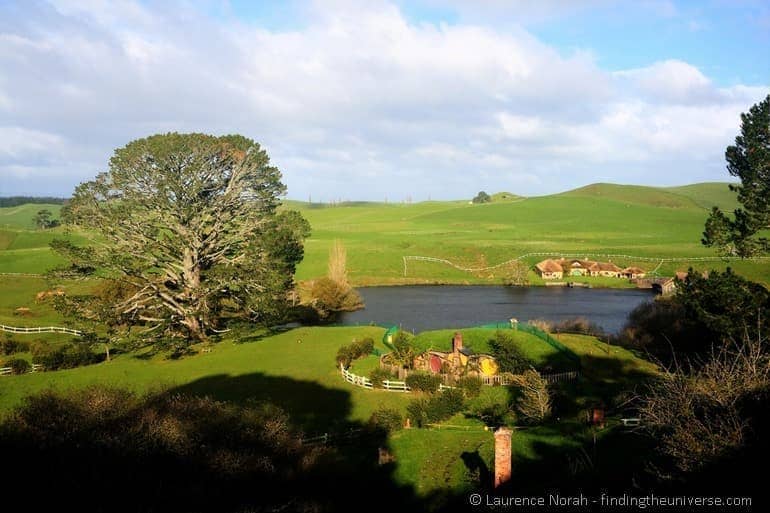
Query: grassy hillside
[(708, 195), (599, 218), (23, 215)]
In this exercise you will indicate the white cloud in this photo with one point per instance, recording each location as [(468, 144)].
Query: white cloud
[(359, 102)]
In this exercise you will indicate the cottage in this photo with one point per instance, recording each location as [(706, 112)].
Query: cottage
[(633, 273), (605, 269), (549, 270), (576, 267), (461, 361)]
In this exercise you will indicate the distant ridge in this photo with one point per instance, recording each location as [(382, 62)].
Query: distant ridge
[(703, 195), (15, 201)]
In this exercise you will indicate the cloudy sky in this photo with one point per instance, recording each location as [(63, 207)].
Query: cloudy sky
[(374, 99)]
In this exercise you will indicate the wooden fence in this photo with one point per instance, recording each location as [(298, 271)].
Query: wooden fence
[(499, 380), (47, 329), (7, 371)]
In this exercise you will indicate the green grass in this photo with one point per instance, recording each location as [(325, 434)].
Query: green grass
[(22, 217), (599, 218), (299, 376), (295, 370), (602, 218)]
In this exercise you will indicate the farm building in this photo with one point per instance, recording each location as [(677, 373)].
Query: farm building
[(633, 273), (605, 269), (549, 270)]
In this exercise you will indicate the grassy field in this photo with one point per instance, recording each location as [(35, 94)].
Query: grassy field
[(295, 369), (596, 219)]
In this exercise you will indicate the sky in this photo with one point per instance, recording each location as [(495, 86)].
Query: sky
[(386, 100)]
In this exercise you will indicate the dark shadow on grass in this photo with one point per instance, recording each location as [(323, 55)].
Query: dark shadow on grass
[(111, 451), (311, 406)]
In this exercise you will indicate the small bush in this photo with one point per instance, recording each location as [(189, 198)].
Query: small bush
[(344, 356), (423, 382), (10, 346), (541, 324), (67, 356), (579, 325), (386, 419), (444, 405), (470, 385), (364, 346), (18, 366), (492, 408), (378, 375), (354, 351), (436, 408), (416, 411)]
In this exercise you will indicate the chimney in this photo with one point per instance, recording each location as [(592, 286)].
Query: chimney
[(457, 342), (502, 456)]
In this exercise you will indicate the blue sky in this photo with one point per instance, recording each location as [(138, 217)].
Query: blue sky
[(368, 99)]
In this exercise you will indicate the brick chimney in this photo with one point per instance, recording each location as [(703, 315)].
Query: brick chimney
[(502, 456), (457, 342)]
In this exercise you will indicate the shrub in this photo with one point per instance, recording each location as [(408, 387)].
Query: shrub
[(67, 356), (358, 349), (363, 347), (541, 324), (416, 411), (386, 419), (344, 356), (11, 346), (470, 385), (436, 408), (329, 297), (580, 325), (444, 405), (19, 365), (492, 408), (507, 353), (423, 382), (378, 375)]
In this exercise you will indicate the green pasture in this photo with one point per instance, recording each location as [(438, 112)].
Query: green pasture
[(22, 216), (599, 218), (602, 219)]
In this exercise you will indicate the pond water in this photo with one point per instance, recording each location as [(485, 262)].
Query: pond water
[(421, 308)]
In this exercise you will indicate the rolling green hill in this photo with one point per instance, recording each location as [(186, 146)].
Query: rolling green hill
[(708, 195), (600, 219), (22, 217)]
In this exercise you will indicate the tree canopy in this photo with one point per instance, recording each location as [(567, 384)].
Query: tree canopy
[(749, 160), (188, 229), (482, 197)]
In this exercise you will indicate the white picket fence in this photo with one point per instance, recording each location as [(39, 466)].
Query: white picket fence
[(46, 329), (400, 386), (7, 371)]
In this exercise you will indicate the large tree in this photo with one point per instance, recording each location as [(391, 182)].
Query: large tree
[(187, 227), (748, 160)]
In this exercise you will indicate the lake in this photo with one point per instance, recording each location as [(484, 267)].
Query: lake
[(424, 307)]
